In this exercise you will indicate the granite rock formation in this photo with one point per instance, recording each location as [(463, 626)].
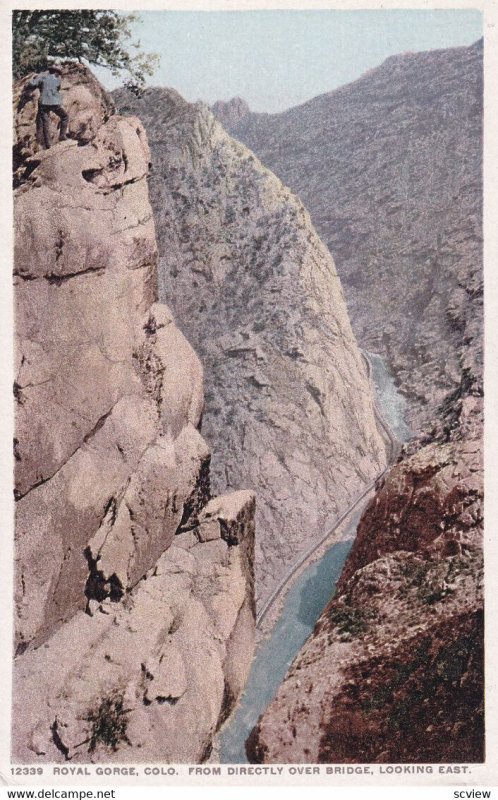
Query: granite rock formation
[(390, 169), (288, 402), (134, 590), (86, 102), (152, 678)]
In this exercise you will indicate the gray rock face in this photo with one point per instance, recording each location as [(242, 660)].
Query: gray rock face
[(110, 469), (289, 411), (230, 112), (389, 168)]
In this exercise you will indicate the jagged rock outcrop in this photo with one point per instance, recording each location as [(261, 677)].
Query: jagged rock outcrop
[(114, 515), (288, 402), (231, 112), (152, 678), (390, 169), (86, 102)]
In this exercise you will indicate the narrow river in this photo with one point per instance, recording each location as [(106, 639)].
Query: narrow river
[(305, 600), (392, 404)]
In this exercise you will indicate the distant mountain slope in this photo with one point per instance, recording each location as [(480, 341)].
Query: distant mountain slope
[(230, 112), (289, 408), (390, 169)]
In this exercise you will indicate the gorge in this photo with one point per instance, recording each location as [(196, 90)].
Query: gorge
[(401, 642), (288, 400), (137, 589)]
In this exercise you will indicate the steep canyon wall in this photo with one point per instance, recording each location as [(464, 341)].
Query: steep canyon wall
[(393, 671), (289, 408), (390, 169), (134, 587)]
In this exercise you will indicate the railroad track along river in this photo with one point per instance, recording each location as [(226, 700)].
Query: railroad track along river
[(289, 614), (394, 449)]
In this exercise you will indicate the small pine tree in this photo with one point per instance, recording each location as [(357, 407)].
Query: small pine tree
[(101, 38)]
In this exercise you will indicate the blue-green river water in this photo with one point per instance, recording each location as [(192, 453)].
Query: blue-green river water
[(304, 602)]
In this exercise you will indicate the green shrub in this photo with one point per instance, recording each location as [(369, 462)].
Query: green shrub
[(109, 723), (350, 621)]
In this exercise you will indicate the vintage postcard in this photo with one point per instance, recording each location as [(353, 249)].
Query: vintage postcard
[(250, 248)]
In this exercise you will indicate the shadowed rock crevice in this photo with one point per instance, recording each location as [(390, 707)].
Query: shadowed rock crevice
[(58, 741), (98, 587)]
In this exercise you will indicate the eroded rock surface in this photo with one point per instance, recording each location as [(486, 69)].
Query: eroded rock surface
[(152, 678), (84, 99), (289, 409), (390, 169), (393, 671), (134, 588)]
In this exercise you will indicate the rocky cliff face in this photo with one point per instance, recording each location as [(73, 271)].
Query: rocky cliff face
[(288, 402), (390, 168), (393, 671), (134, 590), (86, 102)]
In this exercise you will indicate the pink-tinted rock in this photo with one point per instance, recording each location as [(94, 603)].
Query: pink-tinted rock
[(110, 470), (158, 674), (86, 102)]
